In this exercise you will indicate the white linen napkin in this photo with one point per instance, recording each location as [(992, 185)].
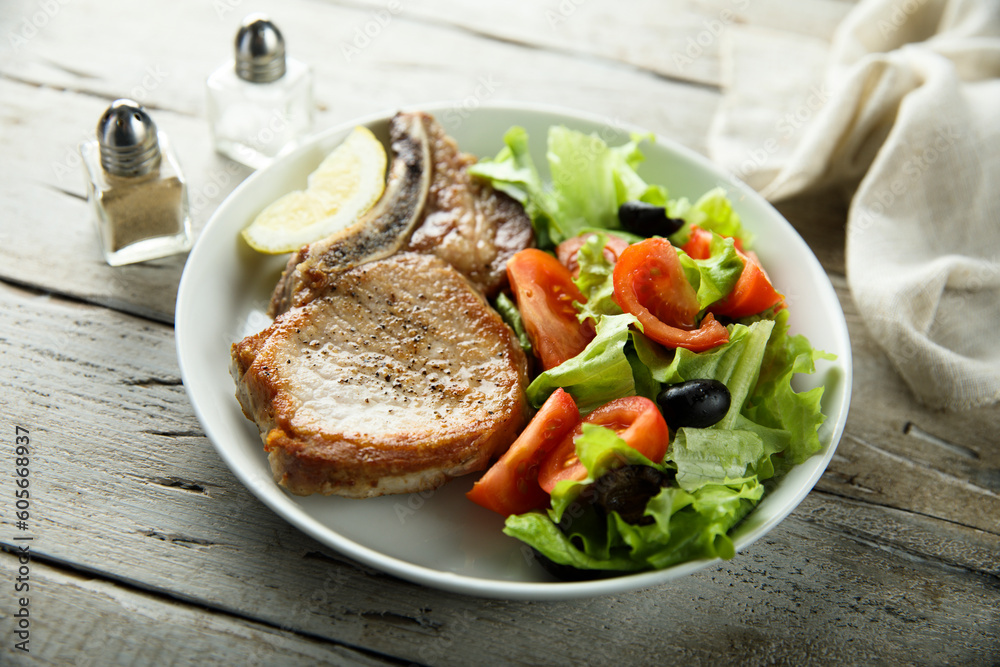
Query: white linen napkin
[(903, 111)]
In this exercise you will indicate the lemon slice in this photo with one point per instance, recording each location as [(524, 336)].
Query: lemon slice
[(345, 185)]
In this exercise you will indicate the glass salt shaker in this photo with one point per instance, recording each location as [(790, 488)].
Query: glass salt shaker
[(136, 187), (259, 104)]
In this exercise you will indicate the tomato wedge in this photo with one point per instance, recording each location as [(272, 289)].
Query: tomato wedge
[(649, 283), (568, 250), (699, 244), (635, 419), (753, 293), (510, 486), (544, 291)]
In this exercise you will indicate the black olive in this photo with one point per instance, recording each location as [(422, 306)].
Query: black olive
[(695, 403), (645, 219), (626, 490)]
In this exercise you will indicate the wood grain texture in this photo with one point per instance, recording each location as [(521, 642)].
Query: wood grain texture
[(674, 40), (87, 622), (121, 463), (149, 551), (56, 85), (897, 453)]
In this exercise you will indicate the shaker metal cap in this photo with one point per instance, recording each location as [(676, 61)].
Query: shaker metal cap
[(127, 139), (260, 50)]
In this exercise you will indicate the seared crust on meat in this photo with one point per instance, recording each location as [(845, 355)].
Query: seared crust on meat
[(466, 222), (431, 205), (381, 232), (399, 378), (386, 370)]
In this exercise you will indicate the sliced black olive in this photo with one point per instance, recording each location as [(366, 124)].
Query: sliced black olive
[(626, 490), (695, 403), (646, 219)]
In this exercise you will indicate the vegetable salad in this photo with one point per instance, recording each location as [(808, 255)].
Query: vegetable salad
[(631, 300)]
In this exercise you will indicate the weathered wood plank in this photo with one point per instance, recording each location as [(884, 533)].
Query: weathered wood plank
[(419, 59), (77, 620), (675, 39), (897, 453), (122, 464), (821, 220), (906, 533), (56, 86), (895, 558), (47, 235)]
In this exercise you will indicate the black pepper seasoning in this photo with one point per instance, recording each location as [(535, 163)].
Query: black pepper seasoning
[(136, 187)]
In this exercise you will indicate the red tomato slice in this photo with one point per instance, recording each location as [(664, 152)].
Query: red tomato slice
[(568, 250), (635, 419), (544, 291), (510, 486), (649, 283), (753, 293), (699, 243)]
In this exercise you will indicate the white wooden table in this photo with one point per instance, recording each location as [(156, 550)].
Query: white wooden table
[(146, 550)]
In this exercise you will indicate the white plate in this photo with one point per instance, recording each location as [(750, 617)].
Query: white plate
[(439, 538)]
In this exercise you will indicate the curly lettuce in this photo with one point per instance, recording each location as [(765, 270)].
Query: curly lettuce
[(719, 473)]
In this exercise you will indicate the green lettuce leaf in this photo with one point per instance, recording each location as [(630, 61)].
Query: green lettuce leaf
[(713, 278), (597, 375), (589, 181), (705, 456), (512, 316), (513, 172), (736, 363), (687, 524), (645, 384), (538, 530), (776, 405), (595, 280), (700, 528)]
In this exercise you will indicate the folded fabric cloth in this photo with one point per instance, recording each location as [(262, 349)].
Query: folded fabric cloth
[(903, 111)]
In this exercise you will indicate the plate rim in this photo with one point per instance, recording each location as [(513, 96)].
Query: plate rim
[(467, 584)]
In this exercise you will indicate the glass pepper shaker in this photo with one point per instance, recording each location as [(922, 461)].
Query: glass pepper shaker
[(136, 187), (259, 103)]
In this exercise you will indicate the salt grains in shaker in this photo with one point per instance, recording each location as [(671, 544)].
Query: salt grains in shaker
[(136, 187), (260, 103)]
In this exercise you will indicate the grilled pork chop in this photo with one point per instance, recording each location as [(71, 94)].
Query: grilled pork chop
[(399, 377), (382, 231), (431, 205), (466, 222)]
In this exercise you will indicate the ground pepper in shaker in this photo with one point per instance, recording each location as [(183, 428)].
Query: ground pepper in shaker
[(260, 103), (136, 187)]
